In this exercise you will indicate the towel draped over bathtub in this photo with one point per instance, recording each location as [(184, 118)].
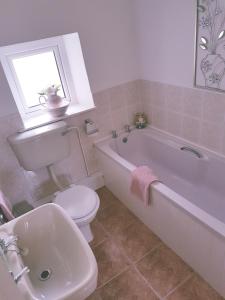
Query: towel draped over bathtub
[(142, 178)]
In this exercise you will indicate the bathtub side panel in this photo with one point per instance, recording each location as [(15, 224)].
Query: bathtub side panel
[(199, 246)]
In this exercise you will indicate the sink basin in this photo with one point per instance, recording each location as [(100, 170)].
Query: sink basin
[(61, 263)]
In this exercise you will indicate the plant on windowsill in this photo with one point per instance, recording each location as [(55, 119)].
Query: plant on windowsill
[(54, 104)]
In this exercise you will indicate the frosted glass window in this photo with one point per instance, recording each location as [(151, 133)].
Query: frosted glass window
[(36, 72)]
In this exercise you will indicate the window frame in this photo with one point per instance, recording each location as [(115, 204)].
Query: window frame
[(56, 44), (59, 65)]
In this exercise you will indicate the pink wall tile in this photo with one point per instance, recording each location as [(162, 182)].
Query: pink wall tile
[(192, 102), (159, 118), (211, 136), (191, 129), (174, 98), (214, 107), (193, 114), (174, 123)]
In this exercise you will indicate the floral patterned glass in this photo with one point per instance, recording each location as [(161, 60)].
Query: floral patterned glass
[(210, 47)]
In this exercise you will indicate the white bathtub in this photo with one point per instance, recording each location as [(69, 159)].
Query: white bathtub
[(187, 209)]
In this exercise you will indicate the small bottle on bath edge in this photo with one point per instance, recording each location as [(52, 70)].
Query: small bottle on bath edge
[(140, 120)]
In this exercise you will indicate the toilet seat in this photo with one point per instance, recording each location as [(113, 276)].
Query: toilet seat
[(79, 202)]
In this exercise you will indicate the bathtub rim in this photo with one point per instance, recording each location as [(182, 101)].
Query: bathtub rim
[(210, 221)]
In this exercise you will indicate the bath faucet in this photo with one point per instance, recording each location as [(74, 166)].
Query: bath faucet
[(127, 128), (114, 134), (24, 271)]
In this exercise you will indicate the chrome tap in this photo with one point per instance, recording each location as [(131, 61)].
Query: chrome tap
[(127, 128), (24, 271), (11, 240), (128, 131), (5, 247), (2, 219), (5, 244), (114, 134)]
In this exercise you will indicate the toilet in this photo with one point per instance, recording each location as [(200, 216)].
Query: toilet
[(43, 147), (82, 204)]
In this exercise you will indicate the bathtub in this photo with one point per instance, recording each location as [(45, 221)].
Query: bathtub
[(187, 206)]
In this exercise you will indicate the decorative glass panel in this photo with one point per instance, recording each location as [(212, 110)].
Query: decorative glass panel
[(210, 48)]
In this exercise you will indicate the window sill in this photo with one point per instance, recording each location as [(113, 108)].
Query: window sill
[(46, 118)]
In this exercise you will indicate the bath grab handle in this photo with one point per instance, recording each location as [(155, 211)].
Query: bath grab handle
[(195, 152)]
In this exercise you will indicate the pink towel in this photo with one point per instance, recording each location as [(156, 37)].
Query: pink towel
[(6, 207), (142, 177)]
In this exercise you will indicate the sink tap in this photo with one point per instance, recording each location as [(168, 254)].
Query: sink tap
[(3, 246), (7, 242), (24, 271), (11, 240), (2, 219)]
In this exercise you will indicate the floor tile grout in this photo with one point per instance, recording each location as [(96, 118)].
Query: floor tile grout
[(114, 277), (103, 228), (111, 237), (133, 264), (95, 246), (105, 231), (147, 283), (146, 254), (178, 286)]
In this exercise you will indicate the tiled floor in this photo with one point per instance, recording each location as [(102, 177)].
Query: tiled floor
[(134, 264)]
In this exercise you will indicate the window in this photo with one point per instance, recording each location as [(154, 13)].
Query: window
[(31, 67), (48, 71)]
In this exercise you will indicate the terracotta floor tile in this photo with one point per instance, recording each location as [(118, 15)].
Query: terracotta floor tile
[(115, 218), (126, 286), (163, 269), (137, 240), (98, 233), (195, 289), (106, 198), (110, 261)]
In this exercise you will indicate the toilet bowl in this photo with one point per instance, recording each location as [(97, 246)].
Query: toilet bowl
[(81, 203)]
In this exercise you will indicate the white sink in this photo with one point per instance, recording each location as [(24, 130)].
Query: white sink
[(55, 250)]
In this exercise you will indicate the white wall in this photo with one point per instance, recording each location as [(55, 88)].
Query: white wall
[(166, 40), (105, 28)]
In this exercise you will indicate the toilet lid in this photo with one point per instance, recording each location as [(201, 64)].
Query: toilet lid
[(79, 201)]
